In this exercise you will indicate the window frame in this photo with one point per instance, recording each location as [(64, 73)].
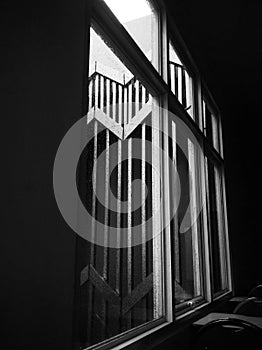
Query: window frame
[(108, 26), (200, 91), (158, 84), (217, 157)]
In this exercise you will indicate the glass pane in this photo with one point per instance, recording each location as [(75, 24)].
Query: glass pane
[(217, 230), (215, 132), (186, 242), (181, 81), (140, 20), (211, 126), (123, 289)]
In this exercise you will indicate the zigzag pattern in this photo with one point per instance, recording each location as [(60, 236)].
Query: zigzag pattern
[(120, 306)]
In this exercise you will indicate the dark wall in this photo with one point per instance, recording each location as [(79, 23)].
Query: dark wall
[(223, 38), (42, 75), (43, 45)]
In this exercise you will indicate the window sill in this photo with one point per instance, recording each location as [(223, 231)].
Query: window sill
[(170, 330)]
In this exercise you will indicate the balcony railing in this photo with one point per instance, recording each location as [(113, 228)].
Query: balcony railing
[(181, 86), (120, 102)]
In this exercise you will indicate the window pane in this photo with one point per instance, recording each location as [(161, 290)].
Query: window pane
[(123, 289), (186, 242), (211, 126), (215, 132), (217, 228), (140, 20), (181, 81)]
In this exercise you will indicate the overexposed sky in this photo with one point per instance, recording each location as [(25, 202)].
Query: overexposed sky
[(128, 10)]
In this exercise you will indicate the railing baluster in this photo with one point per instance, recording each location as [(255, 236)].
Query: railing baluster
[(90, 93), (184, 101), (176, 79), (96, 90), (102, 93), (173, 78), (189, 94), (114, 100), (130, 104), (179, 84), (108, 109), (120, 104), (137, 96), (125, 119)]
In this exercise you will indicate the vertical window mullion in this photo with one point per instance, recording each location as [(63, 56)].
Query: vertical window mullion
[(208, 238), (158, 253), (206, 257), (220, 228), (194, 226), (176, 244), (163, 48), (165, 171), (229, 271), (220, 137), (156, 200)]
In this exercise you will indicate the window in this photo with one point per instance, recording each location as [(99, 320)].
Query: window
[(211, 125), (152, 178), (217, 230), (124, 284), (186, 240)]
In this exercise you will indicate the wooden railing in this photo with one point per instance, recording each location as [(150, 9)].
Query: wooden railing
[(115, 98), (181, 85)]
